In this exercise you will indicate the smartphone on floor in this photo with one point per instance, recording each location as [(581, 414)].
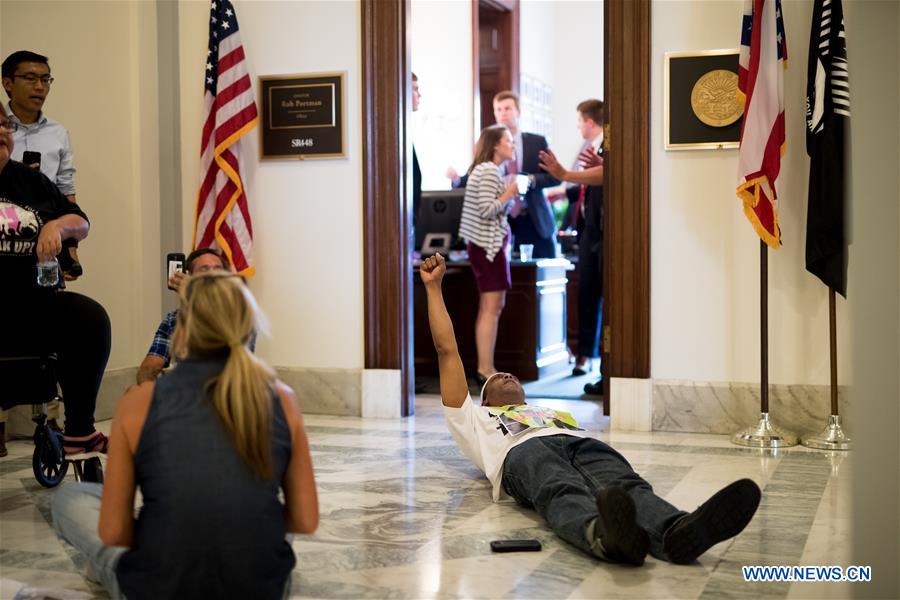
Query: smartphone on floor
[(515, 546)]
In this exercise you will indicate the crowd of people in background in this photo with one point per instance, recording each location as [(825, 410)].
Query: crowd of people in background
[(509, 189)]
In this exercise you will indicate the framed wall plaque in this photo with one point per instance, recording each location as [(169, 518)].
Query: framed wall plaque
[(701, 95), (302, 116)]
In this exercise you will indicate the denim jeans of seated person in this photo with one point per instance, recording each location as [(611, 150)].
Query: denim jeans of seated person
[(76, 518), (559, 477)]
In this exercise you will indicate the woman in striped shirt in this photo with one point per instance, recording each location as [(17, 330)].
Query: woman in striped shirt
[(483, 225)]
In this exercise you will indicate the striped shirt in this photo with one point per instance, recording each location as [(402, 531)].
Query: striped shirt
[(483, 220)]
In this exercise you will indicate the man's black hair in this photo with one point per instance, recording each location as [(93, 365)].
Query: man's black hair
[(189, 262), (13, 61)]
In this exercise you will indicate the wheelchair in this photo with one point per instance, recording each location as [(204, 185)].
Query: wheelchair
[(32, 380)]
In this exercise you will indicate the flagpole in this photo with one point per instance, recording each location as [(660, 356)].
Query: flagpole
[(764, 327), (764, 434), (832, 334), (833, 436)]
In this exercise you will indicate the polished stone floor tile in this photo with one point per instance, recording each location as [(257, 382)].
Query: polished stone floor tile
[(405, 515)]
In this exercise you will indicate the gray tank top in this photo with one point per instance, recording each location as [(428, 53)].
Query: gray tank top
[(207, 528)]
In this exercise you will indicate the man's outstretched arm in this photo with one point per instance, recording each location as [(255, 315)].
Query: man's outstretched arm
[(454, 388)]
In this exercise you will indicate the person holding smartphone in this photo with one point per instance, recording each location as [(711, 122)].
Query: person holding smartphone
[(40, 143), (485, 228), (159, 356)]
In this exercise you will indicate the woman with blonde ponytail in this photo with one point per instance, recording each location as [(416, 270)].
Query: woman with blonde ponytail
[(210, 445)]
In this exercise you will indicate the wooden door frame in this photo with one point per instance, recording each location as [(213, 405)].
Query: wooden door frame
[(387, 191), (512, 7), (626, 244)]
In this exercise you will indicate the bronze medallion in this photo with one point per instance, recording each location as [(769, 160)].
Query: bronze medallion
[(714, 98)]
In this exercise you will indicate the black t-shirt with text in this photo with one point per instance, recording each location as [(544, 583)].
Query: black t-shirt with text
[(28, 200)]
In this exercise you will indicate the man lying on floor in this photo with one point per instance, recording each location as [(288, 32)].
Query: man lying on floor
[(585, 490)]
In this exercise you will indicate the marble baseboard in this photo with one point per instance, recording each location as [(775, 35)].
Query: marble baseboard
[(381, 393), (326, 391), (716, 407), (630, 404), (344, 392), (115, 382)]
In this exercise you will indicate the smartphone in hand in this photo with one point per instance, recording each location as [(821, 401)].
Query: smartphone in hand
[(30, 157), (175, 262)]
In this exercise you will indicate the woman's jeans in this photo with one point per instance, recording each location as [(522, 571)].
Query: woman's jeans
[(76, 518), (559, 476)]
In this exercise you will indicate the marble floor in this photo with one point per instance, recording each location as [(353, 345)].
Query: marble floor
[(405, 515)]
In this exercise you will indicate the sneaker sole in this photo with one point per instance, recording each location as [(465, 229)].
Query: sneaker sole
[(627, 540), (721, 517)]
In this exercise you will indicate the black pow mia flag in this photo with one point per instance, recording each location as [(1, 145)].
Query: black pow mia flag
[(827, 124)]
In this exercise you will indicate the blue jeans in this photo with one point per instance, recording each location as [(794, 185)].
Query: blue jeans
[(559, 475), (76, 517)]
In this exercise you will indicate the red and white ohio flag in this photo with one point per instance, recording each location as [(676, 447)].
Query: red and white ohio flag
[(760, 83), (223, 217)]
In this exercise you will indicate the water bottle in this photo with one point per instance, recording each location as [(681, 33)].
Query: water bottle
[(48, 273)]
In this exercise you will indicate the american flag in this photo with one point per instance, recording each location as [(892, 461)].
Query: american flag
[(763, 60), (223, 218), (827, 119)]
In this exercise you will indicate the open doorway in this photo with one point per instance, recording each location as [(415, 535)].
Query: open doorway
[(387, 174), (539, 325), (495, 54)]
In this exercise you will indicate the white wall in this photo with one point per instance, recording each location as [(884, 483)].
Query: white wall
[(705, 255), (103, 56), (562, 45), (578, 62), (875, 135), (441, 49), (307, 215)]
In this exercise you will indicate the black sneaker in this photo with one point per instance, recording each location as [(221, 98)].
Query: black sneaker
[(594, 388), (622, 539), (721, 517), (3, 451)]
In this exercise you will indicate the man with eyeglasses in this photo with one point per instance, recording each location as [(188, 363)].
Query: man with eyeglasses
[(27, 80), (159, 357)]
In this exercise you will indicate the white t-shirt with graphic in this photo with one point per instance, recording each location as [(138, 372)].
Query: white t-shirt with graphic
[(487, 434)]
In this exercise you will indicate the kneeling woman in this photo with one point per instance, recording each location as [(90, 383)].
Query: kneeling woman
[(209, 446)]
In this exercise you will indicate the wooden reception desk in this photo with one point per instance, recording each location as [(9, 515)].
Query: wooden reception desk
[(531, 339)]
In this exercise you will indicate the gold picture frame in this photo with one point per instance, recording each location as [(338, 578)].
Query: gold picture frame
[(700, 111)]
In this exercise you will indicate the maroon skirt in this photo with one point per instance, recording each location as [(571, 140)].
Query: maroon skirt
[(490, 275)]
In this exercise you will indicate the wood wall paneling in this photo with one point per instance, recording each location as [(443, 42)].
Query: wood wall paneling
[(387, 192), (627, 194)]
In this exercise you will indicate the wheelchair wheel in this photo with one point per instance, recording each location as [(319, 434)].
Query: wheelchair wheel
[(92, 470), (48, 463)]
